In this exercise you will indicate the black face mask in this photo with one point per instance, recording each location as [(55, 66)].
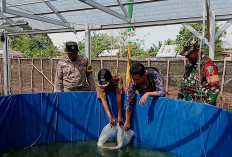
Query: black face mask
[(137, 89)]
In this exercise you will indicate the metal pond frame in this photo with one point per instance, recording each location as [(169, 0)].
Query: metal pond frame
[(128, 22)]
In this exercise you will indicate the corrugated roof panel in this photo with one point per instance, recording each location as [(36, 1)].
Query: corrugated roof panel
[(79, 13)]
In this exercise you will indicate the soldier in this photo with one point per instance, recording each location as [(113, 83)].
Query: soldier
[(110, 83), (203, 88), (144, 81), (75, 72)]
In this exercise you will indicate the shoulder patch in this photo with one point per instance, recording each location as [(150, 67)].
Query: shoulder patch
[(211, 73), (89, 68)]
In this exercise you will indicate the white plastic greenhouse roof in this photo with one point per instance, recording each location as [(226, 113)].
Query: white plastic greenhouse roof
[(50, 16)]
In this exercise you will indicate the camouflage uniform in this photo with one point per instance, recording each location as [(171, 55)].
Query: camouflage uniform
[(74, 76), (189, 89)]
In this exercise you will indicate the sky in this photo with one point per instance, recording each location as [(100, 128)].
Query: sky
[(151, 35)]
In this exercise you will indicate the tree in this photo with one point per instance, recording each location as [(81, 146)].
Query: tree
[(169, 42), (136, 46), (33, 45), (154, 49), (185, 34), (81, 47), (100, 42)]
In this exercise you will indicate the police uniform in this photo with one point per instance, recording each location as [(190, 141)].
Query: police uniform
[(115, 85), (74, 76), (204, 88)]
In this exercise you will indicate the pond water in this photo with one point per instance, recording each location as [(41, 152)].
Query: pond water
[(84, 149)]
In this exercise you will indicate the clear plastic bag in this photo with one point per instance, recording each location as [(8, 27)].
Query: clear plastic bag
[(123, 136), (107, 132)]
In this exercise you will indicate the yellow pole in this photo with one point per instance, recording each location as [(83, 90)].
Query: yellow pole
[(128, 77)]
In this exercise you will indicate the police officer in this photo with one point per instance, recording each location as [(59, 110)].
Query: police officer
[(204, 88), (74, 73)]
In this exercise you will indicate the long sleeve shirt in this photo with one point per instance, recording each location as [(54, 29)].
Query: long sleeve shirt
[(74, 76), (147, 86)]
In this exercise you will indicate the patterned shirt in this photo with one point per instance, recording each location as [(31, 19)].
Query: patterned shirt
[(147, 86)]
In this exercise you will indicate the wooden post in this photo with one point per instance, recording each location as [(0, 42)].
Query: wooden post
[(167, 79), (223, 81), (10, 75), (19, 73), (2, 92), (44, 76), (51, 72), (149, 62), (117, 66), (184, 63), (32, 72), (102, 64), (41, 63)]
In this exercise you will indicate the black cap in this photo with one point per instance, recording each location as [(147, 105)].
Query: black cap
[(71, 47), (104, 76)]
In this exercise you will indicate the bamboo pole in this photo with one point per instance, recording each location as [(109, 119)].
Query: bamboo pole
[(117, 66), (149, 62), (19, 73), (43, 75), (102, 64), (11, 82), (184, 63), (1, 82), (223, 81), (32, 72), (41, 67), (51, 72), (167, 78)]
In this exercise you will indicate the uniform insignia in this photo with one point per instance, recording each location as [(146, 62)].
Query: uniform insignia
[(82, 68), (89, 68), (66, 70), (211, 73), (210, 69)]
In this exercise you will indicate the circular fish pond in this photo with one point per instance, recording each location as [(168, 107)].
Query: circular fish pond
[(85, 149)]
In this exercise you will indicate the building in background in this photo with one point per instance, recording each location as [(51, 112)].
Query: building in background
[(227, 53), (167, 51), (109, 54), (12, 54)]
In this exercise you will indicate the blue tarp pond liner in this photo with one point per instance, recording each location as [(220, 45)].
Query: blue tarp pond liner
[(188, 129)]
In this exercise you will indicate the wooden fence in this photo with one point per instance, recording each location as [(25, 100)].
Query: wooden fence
[(38, 75)]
